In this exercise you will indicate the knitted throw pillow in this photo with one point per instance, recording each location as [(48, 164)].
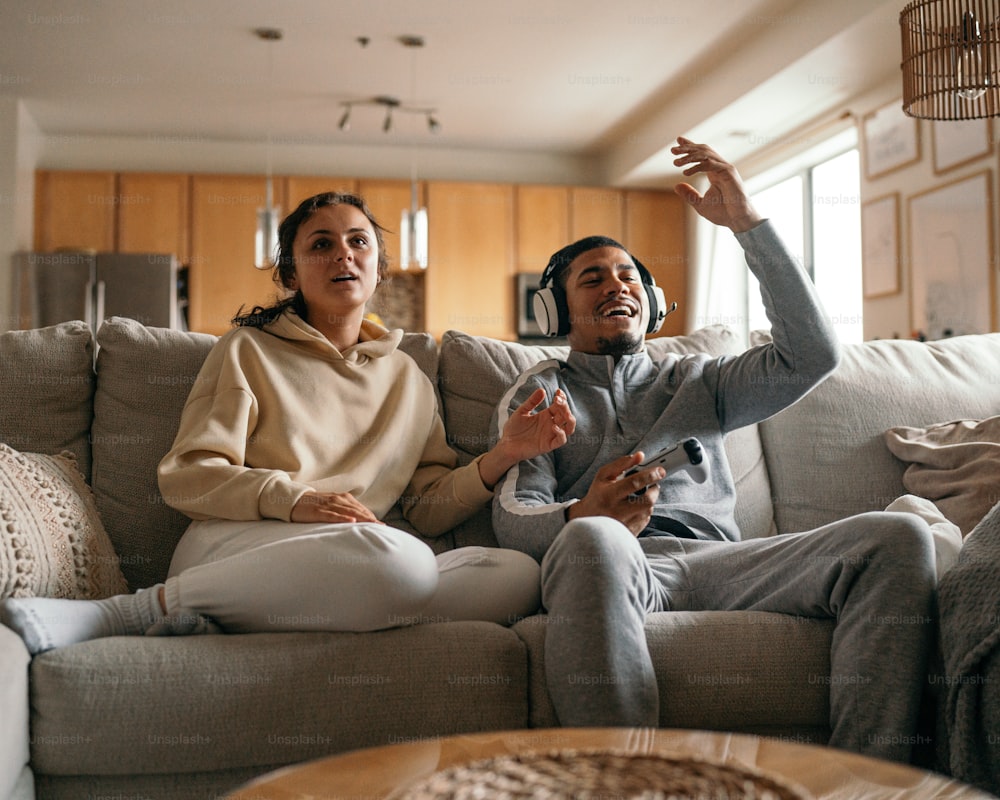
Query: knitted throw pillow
[(52, 542)]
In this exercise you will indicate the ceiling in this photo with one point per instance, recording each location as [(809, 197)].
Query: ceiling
[(613, 82)]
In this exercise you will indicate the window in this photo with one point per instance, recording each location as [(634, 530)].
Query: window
[(815, 205)]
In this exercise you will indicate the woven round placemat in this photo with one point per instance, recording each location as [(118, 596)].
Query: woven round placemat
[(594, 774)]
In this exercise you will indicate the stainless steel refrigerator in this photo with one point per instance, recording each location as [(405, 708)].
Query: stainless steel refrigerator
[(56, 287)]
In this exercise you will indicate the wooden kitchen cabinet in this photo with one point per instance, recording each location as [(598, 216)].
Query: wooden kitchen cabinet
[(154, 213), (542, 224), (596, 212), (655, 234), (223, 225), (387, 199), (301, 187), (75, 210), (469, 281)]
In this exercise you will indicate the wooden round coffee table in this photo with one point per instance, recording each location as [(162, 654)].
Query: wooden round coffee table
[(821, 771)]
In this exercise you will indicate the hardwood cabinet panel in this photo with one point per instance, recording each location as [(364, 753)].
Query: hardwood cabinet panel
[(300, 187), (655, 234), (597, 212), (387, 199), (154, 213), (469, 281), (542, 224), (223, 225), (75, 210)]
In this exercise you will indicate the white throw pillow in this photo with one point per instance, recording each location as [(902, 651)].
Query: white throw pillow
[(52, 542)]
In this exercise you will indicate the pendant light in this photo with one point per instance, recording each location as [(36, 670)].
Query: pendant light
[(413, 228), (951, 59), (268, 217)]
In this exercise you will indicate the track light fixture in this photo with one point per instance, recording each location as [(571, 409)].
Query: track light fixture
[(391, 106), (389, 103)]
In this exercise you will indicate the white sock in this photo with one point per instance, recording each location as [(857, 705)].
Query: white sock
[(45, 623), (947, 535)]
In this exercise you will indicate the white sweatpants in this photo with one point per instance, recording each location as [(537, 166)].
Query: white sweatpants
[(269, 576)]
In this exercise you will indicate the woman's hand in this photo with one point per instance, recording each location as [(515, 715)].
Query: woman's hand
[(529, 432), (725, 202), (331, 507)]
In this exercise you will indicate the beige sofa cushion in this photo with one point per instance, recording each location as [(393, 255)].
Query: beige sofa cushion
[(826, 456), (53, 543), (48, 396), (143, 379), (476, 371), (748, 671), (184, 704)]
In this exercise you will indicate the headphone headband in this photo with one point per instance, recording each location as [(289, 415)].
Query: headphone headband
[(564, 257)]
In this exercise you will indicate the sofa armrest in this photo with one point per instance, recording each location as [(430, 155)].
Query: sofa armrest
[(14, 753)]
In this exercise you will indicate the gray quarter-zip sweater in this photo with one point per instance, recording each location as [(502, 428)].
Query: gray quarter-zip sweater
[(636, 403)]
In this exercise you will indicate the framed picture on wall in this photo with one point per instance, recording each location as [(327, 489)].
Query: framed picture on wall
[(957, 142), (951, 255), (891, 140), (880, 246)]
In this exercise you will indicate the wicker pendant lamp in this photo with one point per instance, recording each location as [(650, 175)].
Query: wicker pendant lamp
[(951, 58)]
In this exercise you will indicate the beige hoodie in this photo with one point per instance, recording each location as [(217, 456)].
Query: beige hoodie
[(279, 412)]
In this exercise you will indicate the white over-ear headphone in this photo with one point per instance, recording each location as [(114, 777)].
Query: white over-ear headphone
[(549, 302)]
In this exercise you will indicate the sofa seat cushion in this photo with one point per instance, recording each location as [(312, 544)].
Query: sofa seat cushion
[(201, 703), (475, 372), (48, 396), (745, 671), (826, 456)]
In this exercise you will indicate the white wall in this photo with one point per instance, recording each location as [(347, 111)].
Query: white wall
[(890, 316), (20, 141), (197, 154)]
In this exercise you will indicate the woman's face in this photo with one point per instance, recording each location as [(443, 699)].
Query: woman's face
[(336, 264)]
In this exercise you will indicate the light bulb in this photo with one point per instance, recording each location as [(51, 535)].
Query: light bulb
[(969, 73)]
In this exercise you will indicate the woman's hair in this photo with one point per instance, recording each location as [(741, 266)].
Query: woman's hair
[(283, 272)]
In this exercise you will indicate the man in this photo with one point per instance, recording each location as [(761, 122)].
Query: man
[(611, 552)]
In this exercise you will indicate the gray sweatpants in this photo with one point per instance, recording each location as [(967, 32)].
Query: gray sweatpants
[(873, 573)]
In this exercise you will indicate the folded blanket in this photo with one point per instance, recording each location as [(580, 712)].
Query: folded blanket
[(969, 596)]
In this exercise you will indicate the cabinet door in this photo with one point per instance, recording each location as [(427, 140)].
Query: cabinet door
[(542, 225), (153, 211), (300, 187), (387, 199), (596, 212), (470, 277), (655, 234), (223, 226), (75, 211)]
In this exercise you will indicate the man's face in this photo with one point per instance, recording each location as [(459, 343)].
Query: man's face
[(608, 309)]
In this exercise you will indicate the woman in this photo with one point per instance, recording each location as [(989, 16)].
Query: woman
[(304, 428)]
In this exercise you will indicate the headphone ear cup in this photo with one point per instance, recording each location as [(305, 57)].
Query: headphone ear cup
[(546, 311), (551, 311), (657, 307)]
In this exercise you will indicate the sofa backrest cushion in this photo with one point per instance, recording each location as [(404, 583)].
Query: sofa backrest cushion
[(475, 371), (48, 395), (144, 376), (826, 455)]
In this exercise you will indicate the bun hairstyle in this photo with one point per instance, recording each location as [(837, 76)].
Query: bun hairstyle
[(283, 273)]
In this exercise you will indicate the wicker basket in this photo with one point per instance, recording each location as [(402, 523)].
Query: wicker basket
[(600, 775)]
